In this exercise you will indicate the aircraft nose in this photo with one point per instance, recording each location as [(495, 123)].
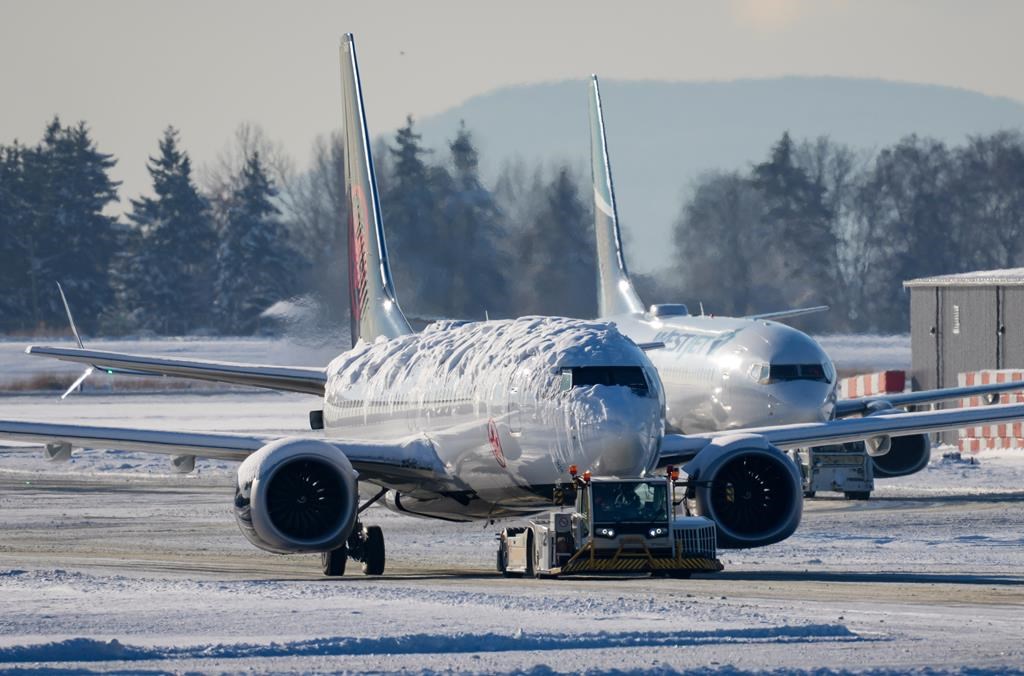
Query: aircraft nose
[(619, 431), (801, 401)]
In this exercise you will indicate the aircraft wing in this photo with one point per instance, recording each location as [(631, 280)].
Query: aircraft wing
[(286, 378), (391, 464), (848, 407), (678, 448), (786, 314)]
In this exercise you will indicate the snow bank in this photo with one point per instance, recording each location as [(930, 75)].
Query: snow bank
[(92, 650)]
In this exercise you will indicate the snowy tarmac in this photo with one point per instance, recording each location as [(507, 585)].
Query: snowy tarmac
[(113, 563)]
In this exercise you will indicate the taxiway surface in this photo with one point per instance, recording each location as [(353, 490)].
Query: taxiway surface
[(113, 563)]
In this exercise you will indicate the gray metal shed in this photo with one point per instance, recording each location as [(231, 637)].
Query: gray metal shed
[(965, 322)]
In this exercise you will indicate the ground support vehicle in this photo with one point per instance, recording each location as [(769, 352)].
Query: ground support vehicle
[(615, 526), (843, 468)]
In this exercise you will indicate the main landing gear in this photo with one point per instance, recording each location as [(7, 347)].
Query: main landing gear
[(366, 544)]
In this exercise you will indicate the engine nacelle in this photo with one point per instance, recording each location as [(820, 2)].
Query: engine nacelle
[(906, 455), (749, 488), (296, 495)]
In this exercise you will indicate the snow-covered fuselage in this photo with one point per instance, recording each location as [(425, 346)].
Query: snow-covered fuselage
[(506, 405), (723, 373)]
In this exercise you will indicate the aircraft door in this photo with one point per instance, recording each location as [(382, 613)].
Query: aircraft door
[(515, 405)]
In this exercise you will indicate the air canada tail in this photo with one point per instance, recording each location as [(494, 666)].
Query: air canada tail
[(373, 303), (615, 292)]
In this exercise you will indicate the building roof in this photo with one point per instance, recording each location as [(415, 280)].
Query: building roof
[(1007, 277)]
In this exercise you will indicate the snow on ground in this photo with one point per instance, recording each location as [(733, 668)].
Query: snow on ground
[(111, 562), (857, 353)]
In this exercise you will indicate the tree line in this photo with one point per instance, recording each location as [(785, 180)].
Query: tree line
[(818, 222), (250, 239), (218, 253)]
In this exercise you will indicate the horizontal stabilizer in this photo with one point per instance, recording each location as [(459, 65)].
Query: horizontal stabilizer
[(786, 314), (285, 378)]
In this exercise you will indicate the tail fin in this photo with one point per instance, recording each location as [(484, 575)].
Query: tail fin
[(373, 303), (615, 292)]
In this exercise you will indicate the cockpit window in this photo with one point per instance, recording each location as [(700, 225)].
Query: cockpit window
[(766, 374), (626, 376)]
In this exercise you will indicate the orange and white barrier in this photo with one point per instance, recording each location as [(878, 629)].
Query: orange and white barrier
[(989, 437), (867, 384)]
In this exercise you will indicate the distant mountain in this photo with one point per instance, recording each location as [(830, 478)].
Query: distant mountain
[(662, 135)]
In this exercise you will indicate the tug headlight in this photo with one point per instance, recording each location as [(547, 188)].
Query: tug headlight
[(606, 532), (657, 532)]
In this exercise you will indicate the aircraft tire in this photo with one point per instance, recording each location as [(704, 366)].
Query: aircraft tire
[(529, 554), (373, 551), (333, 562)]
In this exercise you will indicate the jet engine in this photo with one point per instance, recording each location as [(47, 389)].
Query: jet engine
[(906, 455), (296, 495), (749, 488)]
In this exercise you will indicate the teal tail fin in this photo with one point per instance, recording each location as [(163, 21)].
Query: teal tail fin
[(615, 292)]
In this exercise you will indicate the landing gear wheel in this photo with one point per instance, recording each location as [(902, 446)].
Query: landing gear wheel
[(529, 554), (858, 495), (373, 551), (333, 562), (502, 562)]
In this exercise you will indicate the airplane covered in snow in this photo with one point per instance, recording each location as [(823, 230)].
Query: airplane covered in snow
[(724, 373), (474, 421)]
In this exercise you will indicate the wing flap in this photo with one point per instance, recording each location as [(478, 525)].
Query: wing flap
[(307, 380)]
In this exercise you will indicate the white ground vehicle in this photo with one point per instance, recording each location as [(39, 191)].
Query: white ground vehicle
[(616, 526), (843, 468)]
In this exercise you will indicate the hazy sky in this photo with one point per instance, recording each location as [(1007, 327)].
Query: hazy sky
[(131, 67)]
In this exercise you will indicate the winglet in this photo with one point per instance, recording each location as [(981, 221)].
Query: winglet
[(74, 329), (71, 320), (373, 302), (615, 292)]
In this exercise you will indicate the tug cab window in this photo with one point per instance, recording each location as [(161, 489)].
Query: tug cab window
[(626, 376)]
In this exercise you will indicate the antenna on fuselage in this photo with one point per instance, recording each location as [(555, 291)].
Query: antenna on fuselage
[(372, 300), (615, 292)]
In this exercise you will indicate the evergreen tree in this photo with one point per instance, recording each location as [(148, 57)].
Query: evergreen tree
[(410, 208), (803, 245), (66, 191), (168, 276), (15, 231), (556, 252), (471, 225), (256, 265)]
